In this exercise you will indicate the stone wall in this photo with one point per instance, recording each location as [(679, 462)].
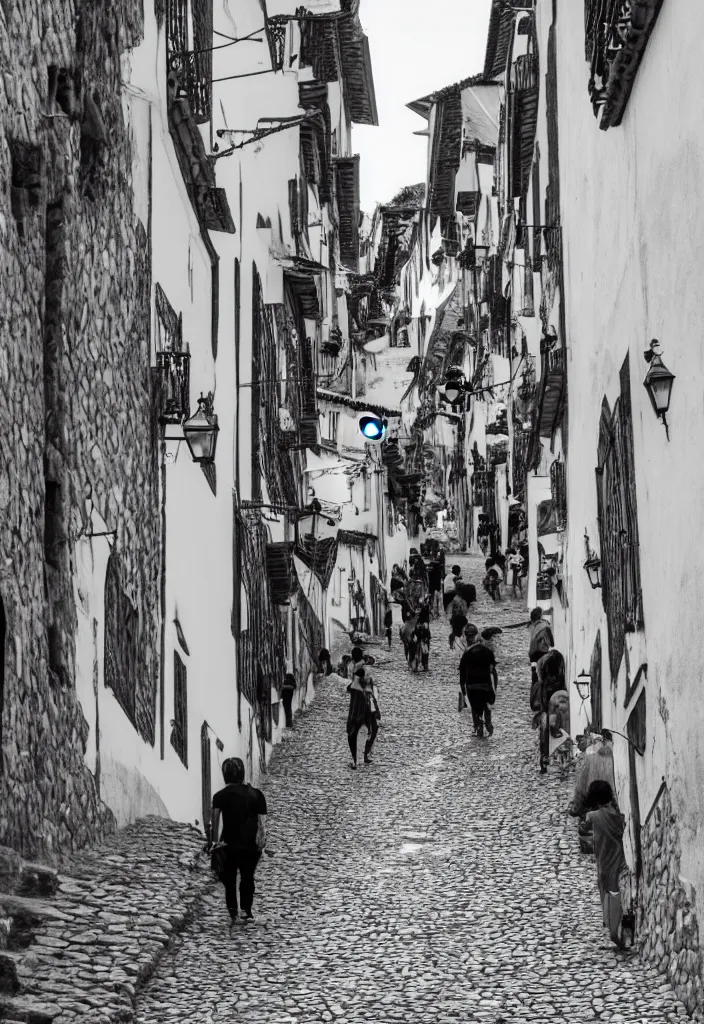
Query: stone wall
[(76, 411), (667, 914)]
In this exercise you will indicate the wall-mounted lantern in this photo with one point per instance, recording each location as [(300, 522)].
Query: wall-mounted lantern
[(455, 384), (658, 382), (201, 431), (592, 564), (583, 682)]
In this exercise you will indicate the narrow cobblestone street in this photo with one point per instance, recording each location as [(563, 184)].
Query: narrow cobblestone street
[(442, 883)]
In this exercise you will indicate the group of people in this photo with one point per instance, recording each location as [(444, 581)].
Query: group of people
[(238, 834)]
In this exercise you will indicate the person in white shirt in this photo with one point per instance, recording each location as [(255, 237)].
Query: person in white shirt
[(515, 565), (449, 586)]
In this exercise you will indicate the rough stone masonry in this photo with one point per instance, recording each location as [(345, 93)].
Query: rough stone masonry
[(76, 410)]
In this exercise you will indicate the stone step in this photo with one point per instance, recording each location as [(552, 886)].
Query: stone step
[(9, 961), (25, 1010), (27, 906)]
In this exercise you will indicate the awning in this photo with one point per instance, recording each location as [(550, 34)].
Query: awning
[(325, 463)]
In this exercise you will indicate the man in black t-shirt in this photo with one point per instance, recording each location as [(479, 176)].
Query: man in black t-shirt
[(239, 805), (478, 679)]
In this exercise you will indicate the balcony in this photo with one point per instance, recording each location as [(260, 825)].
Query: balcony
[(615, 43), (524, 74), (174, 377)]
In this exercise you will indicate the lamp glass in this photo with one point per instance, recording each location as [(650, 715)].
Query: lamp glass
[(658, 383), (201, 434), (660, 389), (452, 392), (583, 682), (593, 567)]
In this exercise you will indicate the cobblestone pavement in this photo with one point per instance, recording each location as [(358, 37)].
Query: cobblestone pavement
[(443, 883)]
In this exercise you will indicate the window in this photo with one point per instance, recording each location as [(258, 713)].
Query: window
[(618, 522), (189, 34), (616, 35), (179, 723), (121, 627), (333, 426)]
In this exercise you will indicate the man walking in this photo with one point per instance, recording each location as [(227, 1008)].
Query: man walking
[(478, 680), (240, 806)]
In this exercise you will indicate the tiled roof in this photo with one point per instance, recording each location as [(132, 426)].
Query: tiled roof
[(422, 106), (500, 36)]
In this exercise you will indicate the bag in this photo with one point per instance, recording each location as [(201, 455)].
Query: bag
[(218, 859), (260, 840)]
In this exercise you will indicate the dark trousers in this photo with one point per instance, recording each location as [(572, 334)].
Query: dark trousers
[(481, 709), (244, 863), (287, 700), (372, 729)]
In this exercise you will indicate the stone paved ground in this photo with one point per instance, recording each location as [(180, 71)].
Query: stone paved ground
[(443, 883)]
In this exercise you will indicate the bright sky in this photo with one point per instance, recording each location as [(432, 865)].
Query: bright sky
[(417, 46)]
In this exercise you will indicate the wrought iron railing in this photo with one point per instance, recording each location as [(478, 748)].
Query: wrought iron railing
[(617, 32), (556, 361), (174, 371), (524, 73), (192, 64)]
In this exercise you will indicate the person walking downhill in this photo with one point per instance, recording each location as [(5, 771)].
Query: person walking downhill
[(478, 680), (240, 846), (287, 692), (363, 711)]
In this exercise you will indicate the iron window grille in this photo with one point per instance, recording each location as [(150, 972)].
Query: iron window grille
[(189, 35), (174, 371), (616, 35)]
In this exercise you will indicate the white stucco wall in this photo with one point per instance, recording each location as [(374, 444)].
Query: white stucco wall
[(633, 229)]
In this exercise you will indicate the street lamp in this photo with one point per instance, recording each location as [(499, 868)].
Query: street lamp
[(455, 384), (583, 682), (201, 431), (658, 382), (592, 564)]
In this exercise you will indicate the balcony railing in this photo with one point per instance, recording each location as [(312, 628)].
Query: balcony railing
[(524, 73), (174, 371), (556, 361), (616, 38)]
